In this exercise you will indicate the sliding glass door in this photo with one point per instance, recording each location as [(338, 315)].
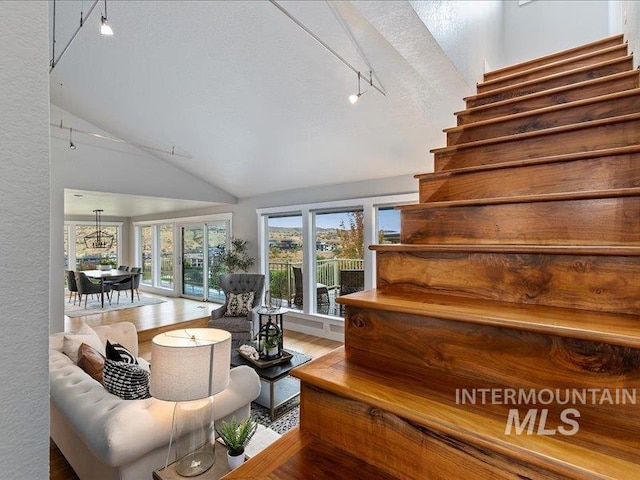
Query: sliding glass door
[(203, 246)]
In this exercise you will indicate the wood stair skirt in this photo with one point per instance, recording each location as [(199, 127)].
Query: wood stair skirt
[(503, 339)]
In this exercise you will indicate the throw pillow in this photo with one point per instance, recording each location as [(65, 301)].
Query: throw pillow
[(127, 381), (91, 361), (85, 334), (118, 353), (239, 304)]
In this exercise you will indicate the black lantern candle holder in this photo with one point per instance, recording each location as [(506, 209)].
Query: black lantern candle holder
[(270, 339)]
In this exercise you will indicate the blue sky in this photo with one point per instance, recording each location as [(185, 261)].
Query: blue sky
[(388, 219)]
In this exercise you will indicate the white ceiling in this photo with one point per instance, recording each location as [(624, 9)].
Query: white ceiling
[(259, 105), (82, 202)]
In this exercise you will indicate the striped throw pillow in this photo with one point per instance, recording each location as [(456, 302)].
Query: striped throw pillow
[(127, 381)]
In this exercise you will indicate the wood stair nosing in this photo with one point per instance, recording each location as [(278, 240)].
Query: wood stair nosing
[(578, 250), (419, 406), (591, 326), (549, 197), (538, 133), (541, 71), (570, 52), (628, 80), (534, 161), (545, 110), (552, 81)]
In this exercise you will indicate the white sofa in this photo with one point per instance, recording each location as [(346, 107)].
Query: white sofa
[(104, 437)]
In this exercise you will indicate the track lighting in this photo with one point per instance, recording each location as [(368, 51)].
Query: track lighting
[(71, 144), (105, 28), (354, 98)]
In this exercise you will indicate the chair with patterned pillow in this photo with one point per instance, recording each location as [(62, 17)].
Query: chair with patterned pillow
[(243, 294)]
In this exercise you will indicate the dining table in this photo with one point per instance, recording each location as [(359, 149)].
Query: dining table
[(112, 274)]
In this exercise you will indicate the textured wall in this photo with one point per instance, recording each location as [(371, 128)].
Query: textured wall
[(469, 32), (624, 17), (541, 27), (24, 241)]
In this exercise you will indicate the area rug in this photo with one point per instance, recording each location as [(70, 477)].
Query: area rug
[(93, 306), (282, 423)]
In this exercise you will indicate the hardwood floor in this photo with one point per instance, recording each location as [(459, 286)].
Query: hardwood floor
[(152, 319)]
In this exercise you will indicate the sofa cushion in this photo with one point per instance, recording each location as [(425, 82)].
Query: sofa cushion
[(127, 381), (85, 334), (118, 353), (91, 361), (239, 304)]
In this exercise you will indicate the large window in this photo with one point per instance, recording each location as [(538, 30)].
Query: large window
[(165, 253), (314, 256), (146, 251), (155, 253), (284, 254), (80, 255)]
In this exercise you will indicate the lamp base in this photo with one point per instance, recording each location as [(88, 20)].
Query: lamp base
[(195, 463)]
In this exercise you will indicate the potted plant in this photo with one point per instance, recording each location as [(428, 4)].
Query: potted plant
[(237, 257), (105, 265), (272, 343), (235, 436)]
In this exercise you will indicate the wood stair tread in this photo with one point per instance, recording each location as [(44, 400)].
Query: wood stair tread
[(617, 329), (605, 152), (559, 63), (542, 79), (300, 456), (553, 108), (551, 91), (537, 249), (547, 197), (538, 133), (421, 401), (551, 56)]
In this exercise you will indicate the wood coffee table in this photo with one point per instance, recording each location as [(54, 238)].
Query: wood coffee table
[(282, 387)]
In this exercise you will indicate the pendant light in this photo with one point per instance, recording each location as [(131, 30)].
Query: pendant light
[(105, 28), (98, 239), (71, 144)]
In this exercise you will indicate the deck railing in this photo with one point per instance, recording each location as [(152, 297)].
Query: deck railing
[(282, 284)]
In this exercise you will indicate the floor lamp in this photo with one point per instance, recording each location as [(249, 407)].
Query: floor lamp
[(188, 367)]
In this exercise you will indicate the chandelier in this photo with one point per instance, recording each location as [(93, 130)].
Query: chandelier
[(98, 239)]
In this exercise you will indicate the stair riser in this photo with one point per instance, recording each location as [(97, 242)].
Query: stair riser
[(527, 75), (607, 221), (390, 441), (603, 173), (468, 356), (615, 134), (600, 283), (592, 89), (621, 65), (566, 116), (610, 42)]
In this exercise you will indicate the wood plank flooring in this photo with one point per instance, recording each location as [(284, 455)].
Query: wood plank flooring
[(155, 318)]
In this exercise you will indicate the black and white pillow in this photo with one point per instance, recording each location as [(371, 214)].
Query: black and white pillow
[(239, 304), (127, 381), (118, 353)]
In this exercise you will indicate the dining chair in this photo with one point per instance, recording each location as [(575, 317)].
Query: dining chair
[(72, 286), (87, 287), (125, 285)]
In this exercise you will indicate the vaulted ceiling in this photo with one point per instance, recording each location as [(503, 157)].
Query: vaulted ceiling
[(257, 104)]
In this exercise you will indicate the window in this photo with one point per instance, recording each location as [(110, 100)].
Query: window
[(88, 258), (327, 245), (284, 254), (146, 242), (165, 254)]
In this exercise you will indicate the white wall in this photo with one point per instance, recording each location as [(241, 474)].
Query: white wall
[(470, 32), (624, 17), (104, 166), (542, 27), (24, 241)]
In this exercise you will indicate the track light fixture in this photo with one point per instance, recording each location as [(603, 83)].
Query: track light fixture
[(71, 144), (105, 28), (354, 98)]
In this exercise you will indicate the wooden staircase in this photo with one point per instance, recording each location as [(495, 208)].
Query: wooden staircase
[(518, 272)]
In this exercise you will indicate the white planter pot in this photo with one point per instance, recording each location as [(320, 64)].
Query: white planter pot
[(272, 352), (235, 462)]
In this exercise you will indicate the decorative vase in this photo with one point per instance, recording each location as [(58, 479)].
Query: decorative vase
[(235, 460), (104, 267), (272, 352)]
